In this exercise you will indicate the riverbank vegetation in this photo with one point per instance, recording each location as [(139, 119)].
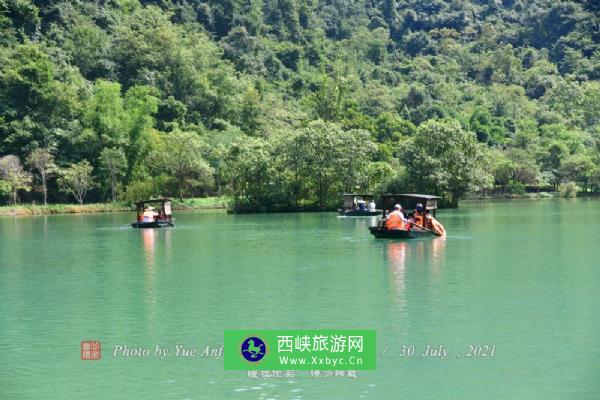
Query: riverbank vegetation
[(15, 210), (285, 104)]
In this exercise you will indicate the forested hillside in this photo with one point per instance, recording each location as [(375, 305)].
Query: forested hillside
[(285, 104)]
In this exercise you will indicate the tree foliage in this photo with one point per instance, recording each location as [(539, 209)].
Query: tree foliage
[(315, 98), (77, 180), (42, 161), (444, 158), (182, 158), (114, 163), (14, 177)]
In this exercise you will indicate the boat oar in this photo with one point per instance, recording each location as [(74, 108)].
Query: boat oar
[(427, 229)]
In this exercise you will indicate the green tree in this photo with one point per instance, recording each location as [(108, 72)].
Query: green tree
[(253, 174), (330, 98), (391, 128), (330, 157), (357, 151), (551, 160), (218, 155), (371, 178), (577, 168), (250, 111), (77, 180), (444, 159), (182, 158), (24, 16), (140, 105), (42, 161), (29, 99), (114, 163), (103, 120), (14, 176)]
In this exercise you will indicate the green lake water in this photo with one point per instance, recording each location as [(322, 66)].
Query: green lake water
[(523, 276)]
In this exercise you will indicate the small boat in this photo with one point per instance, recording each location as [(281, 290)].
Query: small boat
[(382, 232), (149, 217), (409, 202), (356, 205)]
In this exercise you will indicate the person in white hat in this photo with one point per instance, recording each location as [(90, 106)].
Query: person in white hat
[(148, 215)]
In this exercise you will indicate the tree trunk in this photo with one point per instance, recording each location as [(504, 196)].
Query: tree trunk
[(322, 197), (179, 181), (45, 190), (453, 203), (113, 189)]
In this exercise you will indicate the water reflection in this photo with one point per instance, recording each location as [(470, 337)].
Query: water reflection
[(148, 236), (149, 240), (167, 247), (402, 255), (397, 253), (45, 227), (438, 249)]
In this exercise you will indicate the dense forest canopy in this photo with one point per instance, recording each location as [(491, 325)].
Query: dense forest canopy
[(285, 104)]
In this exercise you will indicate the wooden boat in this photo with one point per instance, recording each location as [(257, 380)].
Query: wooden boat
[(148, 217), (409, 204), (355, 205), (381, 232), (359, 213)]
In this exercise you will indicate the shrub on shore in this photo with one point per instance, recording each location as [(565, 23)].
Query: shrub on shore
[(569, 190)]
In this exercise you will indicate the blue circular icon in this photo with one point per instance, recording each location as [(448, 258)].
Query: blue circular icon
[(253, 349)]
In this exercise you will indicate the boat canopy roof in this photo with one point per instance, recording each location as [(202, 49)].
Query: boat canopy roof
[(413, 196), (410, 200), (349, 198), (153, 201), (165, 205)]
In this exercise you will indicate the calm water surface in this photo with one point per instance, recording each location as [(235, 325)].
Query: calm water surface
[(521, 275)]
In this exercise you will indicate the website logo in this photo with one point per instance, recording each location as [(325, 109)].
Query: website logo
[(303, 349), (253, 349)]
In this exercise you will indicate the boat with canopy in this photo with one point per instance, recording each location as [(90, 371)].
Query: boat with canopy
[(357, 205), (419, 211), (154, 213)]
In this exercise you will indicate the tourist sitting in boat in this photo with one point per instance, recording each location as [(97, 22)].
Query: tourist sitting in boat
[(148, 215), (372, 206), (396, 219), (361, 205), (384, 215), (418, 216)]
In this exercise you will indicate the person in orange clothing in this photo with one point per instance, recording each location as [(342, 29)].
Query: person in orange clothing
[(396, 219), (418, 215)]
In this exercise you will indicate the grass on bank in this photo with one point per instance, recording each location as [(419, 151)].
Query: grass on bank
[(199, 203), (36, 209)]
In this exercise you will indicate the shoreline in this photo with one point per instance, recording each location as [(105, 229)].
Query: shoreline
[(32, 210), (213, 203), (532, 195)]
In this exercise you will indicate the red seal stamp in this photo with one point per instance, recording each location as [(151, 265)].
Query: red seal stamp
[(90, 350)]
